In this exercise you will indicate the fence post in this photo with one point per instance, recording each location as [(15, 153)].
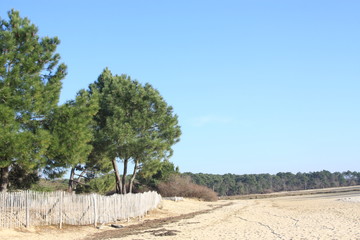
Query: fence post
[(61, 209), (95, 210), (27, 202)]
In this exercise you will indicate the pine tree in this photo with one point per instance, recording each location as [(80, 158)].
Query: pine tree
[(30, 83), (70, 126), (134, 123)]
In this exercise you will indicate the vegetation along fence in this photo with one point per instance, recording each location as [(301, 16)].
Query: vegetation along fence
[(24, 209)]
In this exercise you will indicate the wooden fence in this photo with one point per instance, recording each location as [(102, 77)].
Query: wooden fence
[(24, 209)]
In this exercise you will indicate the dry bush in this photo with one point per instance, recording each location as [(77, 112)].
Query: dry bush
[(182, 186), (268, 191)]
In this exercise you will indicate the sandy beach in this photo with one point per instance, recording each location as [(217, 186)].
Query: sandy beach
[(325, 216)]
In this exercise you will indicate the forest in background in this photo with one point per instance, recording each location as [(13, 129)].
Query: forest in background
[(232, 184)]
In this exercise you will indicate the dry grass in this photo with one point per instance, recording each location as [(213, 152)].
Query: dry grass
[(183, 187)]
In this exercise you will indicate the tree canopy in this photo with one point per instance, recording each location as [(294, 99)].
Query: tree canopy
[(134, 123)]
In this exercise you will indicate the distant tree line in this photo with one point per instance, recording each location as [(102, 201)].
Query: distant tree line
[(232, 184)]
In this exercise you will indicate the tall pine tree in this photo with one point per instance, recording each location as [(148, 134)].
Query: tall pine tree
[(30, 83), (134, 123)]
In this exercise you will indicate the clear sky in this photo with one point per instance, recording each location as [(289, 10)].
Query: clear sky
[(259, 86)]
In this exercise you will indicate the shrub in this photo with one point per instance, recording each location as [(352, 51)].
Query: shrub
[(45, 185), (182, 186)]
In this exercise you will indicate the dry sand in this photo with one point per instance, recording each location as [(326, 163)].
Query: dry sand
[(328, 216)]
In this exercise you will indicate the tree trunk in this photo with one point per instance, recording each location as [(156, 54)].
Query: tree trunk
[(81, 175), (71, 180), (133, 176), (117, 176), (4, 181), (124, 176)]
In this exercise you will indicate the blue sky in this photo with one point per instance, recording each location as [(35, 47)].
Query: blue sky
[(259, 86)]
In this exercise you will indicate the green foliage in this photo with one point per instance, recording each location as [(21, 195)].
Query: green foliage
[(30, 83), (29, 70), (156, 171), (20, 178), (103, 184), (70, 126), (45, 185)]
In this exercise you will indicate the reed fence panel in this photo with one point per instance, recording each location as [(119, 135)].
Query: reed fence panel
[(24, 209)]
